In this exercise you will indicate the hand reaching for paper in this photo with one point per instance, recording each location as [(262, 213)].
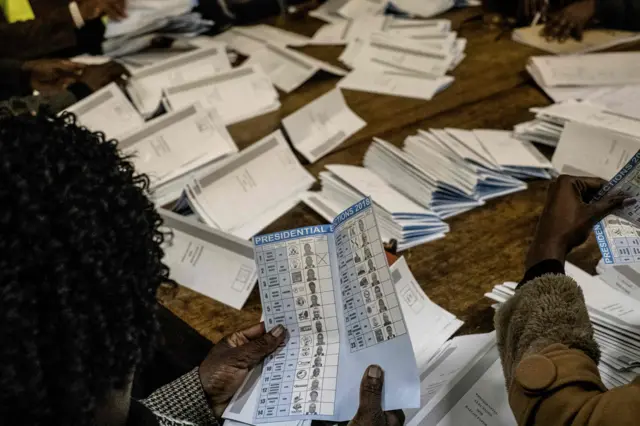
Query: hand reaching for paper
[(52, 75), (570, 21), (229, 362), (98, 76), (567, 219)]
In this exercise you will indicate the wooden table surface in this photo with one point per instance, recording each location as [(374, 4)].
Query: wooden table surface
[(485, 246)]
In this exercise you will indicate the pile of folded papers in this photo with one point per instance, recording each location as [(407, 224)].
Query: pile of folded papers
[(395, 56), (436, 174), (615, 318), (147, 20)]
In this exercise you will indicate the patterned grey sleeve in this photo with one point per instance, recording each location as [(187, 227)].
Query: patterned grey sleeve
[(182, 400)]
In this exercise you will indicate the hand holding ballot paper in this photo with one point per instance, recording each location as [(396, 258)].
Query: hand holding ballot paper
[(330, 285)]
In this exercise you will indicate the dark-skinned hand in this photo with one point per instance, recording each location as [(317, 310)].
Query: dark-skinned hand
[(98, 76), (370, 410), (229, 362), (570, 21), (49, 76), (567, 218), (94, 9)]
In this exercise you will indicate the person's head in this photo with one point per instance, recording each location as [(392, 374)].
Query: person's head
[(314, 298), (318, 326), (374, 276), (307, 248), (361, 225), (367, 294), (316, 372), (378, 291), (312, 408), (312, 287), (80, 263), (311, 275), (319, 351), (320, 338), (315, 383), (370, 262), (385, 317), (389, 329), (314, 396), (381, 303), (308, 261), (317, 362)]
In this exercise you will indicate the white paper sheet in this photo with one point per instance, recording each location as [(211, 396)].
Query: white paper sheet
[(508, 151), (593, 151), (146, 84), (109, 111), (237, 95), (395, 83), (322, 125), (178, 142), (209, 261), (248, 184)]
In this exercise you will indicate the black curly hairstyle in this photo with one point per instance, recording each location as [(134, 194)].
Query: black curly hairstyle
[(80, 264)]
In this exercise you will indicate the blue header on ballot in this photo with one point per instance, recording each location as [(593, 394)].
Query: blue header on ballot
[(353, 210), (292, 234)]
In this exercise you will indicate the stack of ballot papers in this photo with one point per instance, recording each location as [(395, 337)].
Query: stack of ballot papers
[(615, 112), (615, 317), (237, 94), (174, 147), (322, 125), (208, 261), (417, 310), (452, 171), (463, 384), (147, 19), (245, 192), (592, 40), (398, 217), (146, 84), (580, 76), (400, 57), (109, 111)]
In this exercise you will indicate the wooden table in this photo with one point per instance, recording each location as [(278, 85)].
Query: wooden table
[(487, 245)]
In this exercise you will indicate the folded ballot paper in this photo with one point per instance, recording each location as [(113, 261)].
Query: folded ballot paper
[(622, 278), (417, 311), (615, 317), (289, 69), (618, 235), (581, 76), (146, 84), (322, 125), (399, 218), (463, 384), (196, 253), (109, 111), (331, 287), (173, 145), (237, 94), (262, 182), (584, 150)]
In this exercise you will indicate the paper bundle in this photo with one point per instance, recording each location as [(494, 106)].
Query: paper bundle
[(616, 321), (398, 217), (394, 56), (583, 76)]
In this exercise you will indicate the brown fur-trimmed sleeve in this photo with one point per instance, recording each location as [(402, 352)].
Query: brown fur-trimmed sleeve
[(549, 309)]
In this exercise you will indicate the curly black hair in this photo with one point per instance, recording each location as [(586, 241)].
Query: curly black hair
[(80, 264)]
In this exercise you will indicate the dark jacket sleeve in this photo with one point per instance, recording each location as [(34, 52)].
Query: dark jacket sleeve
[(550, 357), (13, 81), (39, 37), (619, 14)]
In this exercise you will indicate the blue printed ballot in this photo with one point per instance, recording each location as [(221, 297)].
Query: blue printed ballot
[(330, 286), (618, 235)]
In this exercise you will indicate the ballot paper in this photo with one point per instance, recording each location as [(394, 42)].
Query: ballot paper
[(618, 235), (273, 35), (595, 69), (593, 151), (208, 261), (240, 41), (382, 52), (623, 278), (592, 40), (395, 83), (287, 68), (108, 111), (463, 385), (144, 13), (175, 143), (248, 191), (146, 84), (328, 11), (615, 318), (313, 281), (621, 100), (237, 95), (353, 9), (419, 310), (322, 125)]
